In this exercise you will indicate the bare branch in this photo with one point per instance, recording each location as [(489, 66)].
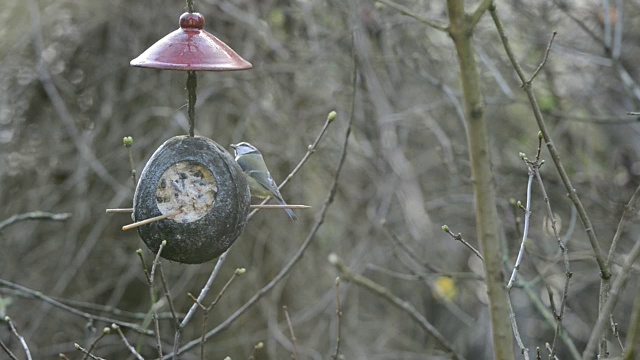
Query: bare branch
[(406, 11), (633, 334), (399, 303), (6, 350), (310, 150), (516, 333), (152, 294), (565, 256), (604, 271), (525, 232), (476, 14), (544, 59), (132, 350), (459, 237), (104, 332), (294, 341), (21, 339), (87, 353), (336, 353), (38, 295), (609, 305), (629, 209), (34, 215)]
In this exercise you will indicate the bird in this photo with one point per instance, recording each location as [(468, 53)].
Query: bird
[(255, 169)]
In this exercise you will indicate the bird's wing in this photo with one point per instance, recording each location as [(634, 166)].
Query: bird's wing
[(265, 179), (252, 162)]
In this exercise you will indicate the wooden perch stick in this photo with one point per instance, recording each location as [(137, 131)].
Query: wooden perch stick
[(124, 210), (130, 210), (279, 206), (150, 220)]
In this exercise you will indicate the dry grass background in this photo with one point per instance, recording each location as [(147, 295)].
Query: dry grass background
[(302, 57)]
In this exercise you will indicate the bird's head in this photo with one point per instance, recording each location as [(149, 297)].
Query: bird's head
[(244, 148)]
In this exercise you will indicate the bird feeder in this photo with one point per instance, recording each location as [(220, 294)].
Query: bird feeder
[(191, 192)]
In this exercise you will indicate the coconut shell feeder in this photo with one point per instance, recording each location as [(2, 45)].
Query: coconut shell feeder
[(191, 192), (198, 181)]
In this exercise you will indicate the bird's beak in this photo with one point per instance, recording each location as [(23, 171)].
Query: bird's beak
[(234, 145)]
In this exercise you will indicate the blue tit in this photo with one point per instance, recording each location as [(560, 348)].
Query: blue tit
[(255, 169)]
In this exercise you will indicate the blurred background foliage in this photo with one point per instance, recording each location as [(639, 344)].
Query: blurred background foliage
[(65, 154)]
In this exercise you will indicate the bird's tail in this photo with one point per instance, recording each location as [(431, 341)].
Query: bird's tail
[(289, 211), (291, 214)]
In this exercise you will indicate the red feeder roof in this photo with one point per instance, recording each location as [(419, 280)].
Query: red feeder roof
[(191, 48)]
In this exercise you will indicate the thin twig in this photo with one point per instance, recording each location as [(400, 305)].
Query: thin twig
[(627, 80), (617, 30), (629, 210), (606, 18), (34, 215), (294, 341), (609, 305), (525, 232), (7, 350), (408, 12), (156, 261), (399, 303), (207, 309), (513, 204), (407, 250), (476, 14), (459, 237), (565, 256), (203, 292), (310, 150), (104, 332), (38, 295), (21, 339), (550, 350), (633, 334), (87, 353), (204, 322), (567, 270), (154, 310), (415, 276), (256, 347), (167, 294), (336, 352), (615, 332), (192, 310), (601, 120), (236, 273), (514, 325), (128, 142), (132, 350), (544, 59), (548, 316)]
